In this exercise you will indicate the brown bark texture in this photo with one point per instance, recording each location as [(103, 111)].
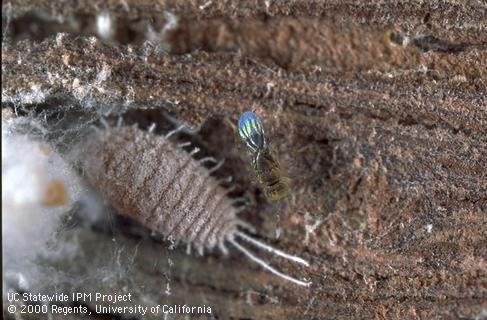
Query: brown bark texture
[(377, 111)]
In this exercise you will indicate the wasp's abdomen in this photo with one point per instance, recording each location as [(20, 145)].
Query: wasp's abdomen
[(267, 169)]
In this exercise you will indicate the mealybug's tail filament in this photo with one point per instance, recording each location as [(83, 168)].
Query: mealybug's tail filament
[(266, 266), (271, 249)]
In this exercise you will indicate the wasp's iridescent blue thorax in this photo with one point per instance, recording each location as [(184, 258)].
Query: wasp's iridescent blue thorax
[(251, 131)]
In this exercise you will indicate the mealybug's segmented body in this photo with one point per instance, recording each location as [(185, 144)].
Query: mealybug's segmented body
[(159, 184), (267, 169)]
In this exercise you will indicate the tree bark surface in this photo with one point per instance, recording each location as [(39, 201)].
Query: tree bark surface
[(376, 111)]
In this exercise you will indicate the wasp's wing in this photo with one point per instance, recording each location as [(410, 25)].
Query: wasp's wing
[(251, 131)]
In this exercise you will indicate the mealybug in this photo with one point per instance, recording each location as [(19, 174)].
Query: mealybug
[(156, 182), (267, 169)]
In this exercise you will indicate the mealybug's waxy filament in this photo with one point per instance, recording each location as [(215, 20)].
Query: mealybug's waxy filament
[(251, 131)]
